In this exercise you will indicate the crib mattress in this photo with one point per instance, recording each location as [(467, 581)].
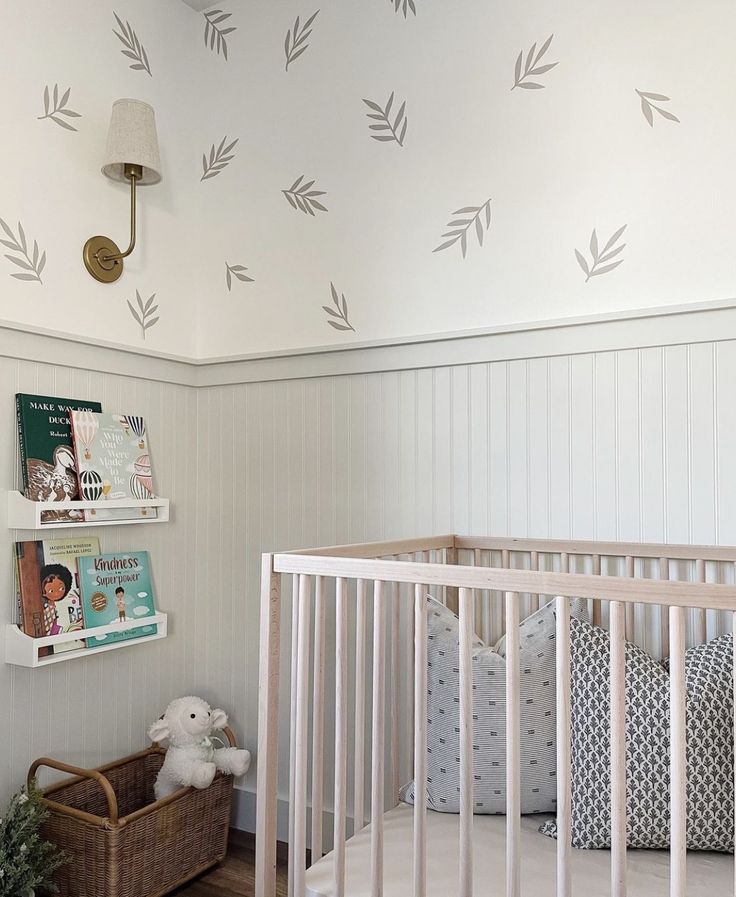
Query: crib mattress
[(708, 874)]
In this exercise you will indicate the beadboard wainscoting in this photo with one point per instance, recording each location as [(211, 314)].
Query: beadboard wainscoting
[(629, 444)]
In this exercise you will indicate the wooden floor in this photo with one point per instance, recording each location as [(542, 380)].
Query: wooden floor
[(235, 877)]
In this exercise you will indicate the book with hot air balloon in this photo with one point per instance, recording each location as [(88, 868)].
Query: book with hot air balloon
[(48, 467), (113, 461)]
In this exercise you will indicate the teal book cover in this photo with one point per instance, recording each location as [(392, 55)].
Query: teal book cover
[(116, 589)]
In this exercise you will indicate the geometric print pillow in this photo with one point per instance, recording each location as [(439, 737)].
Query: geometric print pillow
[(538, 716), (710, 749)]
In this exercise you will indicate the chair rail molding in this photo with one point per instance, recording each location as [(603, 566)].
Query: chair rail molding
[(690, 323)]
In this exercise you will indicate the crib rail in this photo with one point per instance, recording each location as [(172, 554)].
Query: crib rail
[(391, 579)]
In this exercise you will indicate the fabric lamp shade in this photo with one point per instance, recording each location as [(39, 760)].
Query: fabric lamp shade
[(132, 139)]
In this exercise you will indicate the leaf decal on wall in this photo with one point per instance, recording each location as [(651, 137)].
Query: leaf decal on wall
[(384, 120), (215, 36), (55, 106), (602, 259), (302, 197), (530, 67), (648, 100), (134, 49), (404, 6), (143, 313), (219, 159), (477, 218), (338, 316), (296, 42), (31, 263), (239, 272)]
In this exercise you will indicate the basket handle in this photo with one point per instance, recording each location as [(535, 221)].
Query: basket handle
[(112, 803)]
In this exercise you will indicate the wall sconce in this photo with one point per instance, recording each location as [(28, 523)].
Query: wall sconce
[(132, 155)]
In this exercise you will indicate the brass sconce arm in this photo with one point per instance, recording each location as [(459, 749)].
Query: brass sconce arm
[(102, 257)]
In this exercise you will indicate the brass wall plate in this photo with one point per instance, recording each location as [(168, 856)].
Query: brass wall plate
[(94, 253)]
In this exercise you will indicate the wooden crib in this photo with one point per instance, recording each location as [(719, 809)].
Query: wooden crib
[(492, 583)]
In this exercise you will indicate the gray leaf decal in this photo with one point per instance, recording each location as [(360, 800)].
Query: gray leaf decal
[(32, 264), (219, 159), (648, 100), (215, 36), (340, 311), (143, 315), (404, 6), (296, 39), (480, 221), (133, 48), (302, 197), (394, 125), (59, 107), (239, 272), (600, 257), (530, 67)]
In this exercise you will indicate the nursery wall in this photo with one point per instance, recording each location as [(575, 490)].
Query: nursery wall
[(574, 154), (633, 443), (53, 185), (552, 163)]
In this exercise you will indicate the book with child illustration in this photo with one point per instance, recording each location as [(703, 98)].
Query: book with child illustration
[(47, 582), (116, 588), (113, 461)]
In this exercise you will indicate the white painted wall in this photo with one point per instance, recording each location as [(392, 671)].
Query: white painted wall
[(52, 181), (556, 162)]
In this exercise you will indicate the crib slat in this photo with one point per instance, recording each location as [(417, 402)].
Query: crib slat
[(359, 759), (701, 631), (466, 743), (478, 597), (341, 732), (318, 718), (420, 742), (378, 735), (733, 631), (597, 603), (664, 574), (564, 800), (302, 733), (513, 734), (630, 607), (678, 768), (534, 564), (395, 689), (410, 679), (292, 727), (618, 750)]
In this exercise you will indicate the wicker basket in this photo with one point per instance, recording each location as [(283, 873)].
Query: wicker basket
[(123, 842)]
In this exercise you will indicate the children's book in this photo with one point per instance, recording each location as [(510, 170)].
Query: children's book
[(48, 465), (113, 461), (49, 600), (116, 588)]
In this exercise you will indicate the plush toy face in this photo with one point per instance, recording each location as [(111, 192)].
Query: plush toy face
[(187, 721)]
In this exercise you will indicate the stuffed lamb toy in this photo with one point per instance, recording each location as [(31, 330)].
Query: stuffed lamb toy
[(191, 757)]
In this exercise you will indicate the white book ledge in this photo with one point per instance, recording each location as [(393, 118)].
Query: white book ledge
[(26, 514), (22, 650)]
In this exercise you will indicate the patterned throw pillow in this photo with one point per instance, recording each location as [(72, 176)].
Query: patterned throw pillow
[(710, 754), (538, 716)]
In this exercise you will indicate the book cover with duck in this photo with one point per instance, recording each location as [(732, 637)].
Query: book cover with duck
[(113, 461), (48, 465), (49, 599), (116, 588)]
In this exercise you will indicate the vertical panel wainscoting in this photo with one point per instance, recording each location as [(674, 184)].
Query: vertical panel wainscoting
[(92, 710), (628, 445), (633, 445)]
